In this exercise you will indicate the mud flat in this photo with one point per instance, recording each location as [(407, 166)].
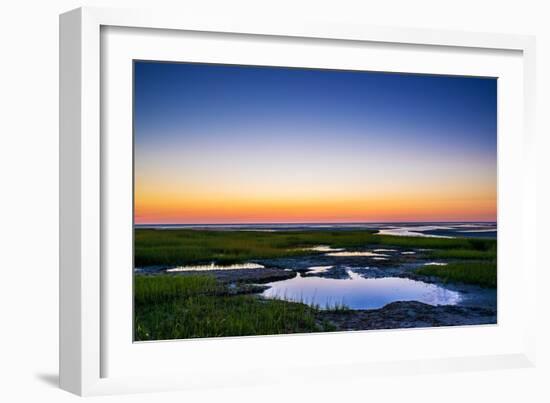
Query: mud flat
[(409, 314)]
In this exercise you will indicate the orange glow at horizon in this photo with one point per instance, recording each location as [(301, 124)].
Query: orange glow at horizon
[(405, 207), (439, 188)]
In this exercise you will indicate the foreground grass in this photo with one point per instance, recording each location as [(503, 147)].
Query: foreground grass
[(172, 307), (180, 247), (479, 273), (155, 290)]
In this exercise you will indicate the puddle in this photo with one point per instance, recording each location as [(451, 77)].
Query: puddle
[(323, 248), (319, 269), (348, 254), (357, 292), (210, 267)]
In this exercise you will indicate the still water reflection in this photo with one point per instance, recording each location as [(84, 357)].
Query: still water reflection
[(357, 292)]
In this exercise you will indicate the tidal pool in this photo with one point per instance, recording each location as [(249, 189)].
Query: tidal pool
[(212, 267), (358, 292)]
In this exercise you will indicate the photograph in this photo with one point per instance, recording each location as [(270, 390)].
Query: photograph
[(273, 200)]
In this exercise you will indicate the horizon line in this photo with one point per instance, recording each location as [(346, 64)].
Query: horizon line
[(321, 222)]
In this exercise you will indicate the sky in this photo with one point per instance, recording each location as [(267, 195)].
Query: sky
[(244, 144)]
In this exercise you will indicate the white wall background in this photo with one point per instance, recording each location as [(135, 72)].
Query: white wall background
[(29, 187)]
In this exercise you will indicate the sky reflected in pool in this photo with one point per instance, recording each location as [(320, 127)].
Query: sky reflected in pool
[(357, 292)]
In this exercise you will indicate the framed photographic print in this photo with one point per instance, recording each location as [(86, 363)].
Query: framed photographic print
[(236, 197), (346, 200)]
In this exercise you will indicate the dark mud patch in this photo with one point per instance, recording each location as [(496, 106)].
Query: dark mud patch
[(407, 314)]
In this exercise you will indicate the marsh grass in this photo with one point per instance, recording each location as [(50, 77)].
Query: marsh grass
[(466, 254), (158, 289), (172, 307), (178, 247), (178, 307), (181, 247), (329, 306), (479, 273)]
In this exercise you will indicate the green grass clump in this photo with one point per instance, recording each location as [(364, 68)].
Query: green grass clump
[(479, 273), (158, 289), (172, 307), (464, 254), (180, 247), (476, 249)]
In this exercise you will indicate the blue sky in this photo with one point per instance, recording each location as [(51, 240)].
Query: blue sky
[(199, 120)]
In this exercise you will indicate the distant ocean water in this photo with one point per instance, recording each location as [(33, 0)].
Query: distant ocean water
[(420, 229)]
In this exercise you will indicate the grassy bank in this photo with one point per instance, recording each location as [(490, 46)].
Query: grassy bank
[(172, 307), (193, 306), (482, 273), (180, 247)]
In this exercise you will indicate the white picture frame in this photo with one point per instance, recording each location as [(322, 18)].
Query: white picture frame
[(85, 307)]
